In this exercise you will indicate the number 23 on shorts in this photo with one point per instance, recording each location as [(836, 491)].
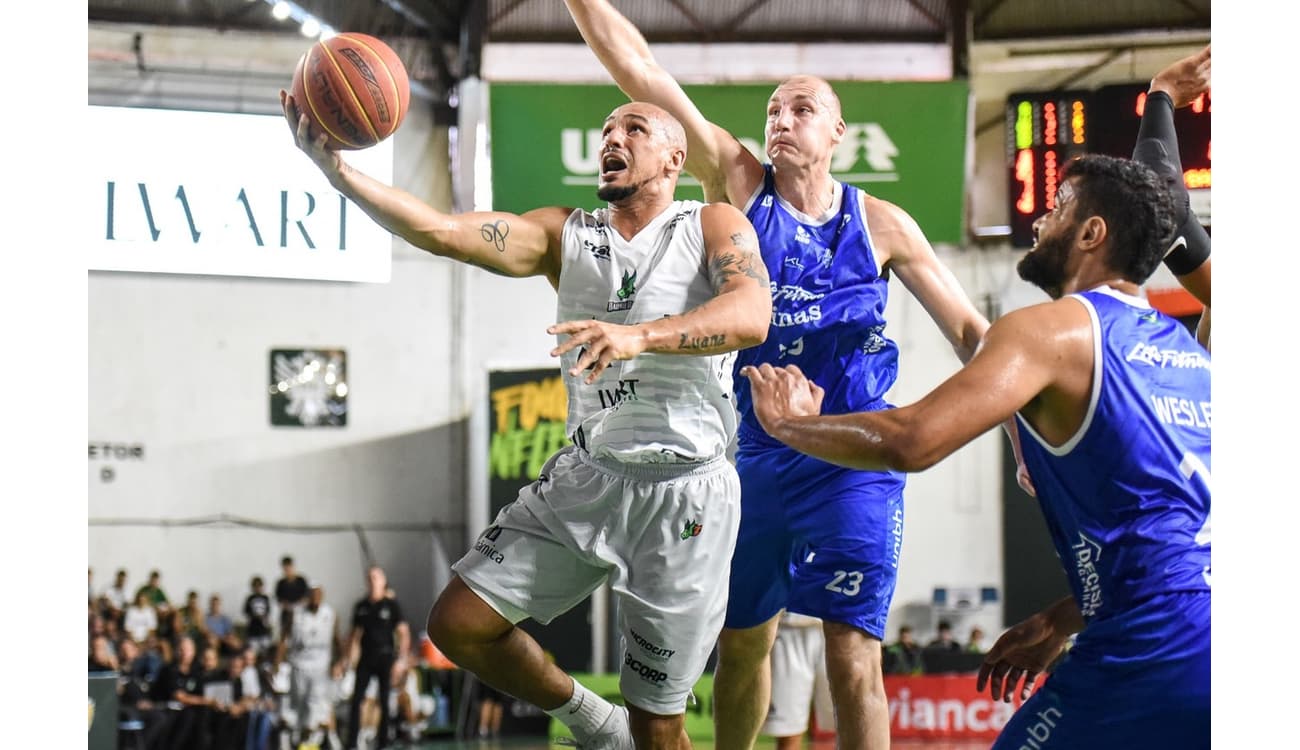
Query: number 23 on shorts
[(846, 582)]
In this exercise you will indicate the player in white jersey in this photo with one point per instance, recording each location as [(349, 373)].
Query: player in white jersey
[(655, 296), (310, 648)]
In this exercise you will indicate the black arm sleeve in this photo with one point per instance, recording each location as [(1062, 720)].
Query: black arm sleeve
[(1157, 148)]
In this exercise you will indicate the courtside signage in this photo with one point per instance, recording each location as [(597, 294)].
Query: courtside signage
[(227, 195), (904, 142)]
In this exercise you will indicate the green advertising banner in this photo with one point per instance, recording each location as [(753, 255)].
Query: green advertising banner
[(905, 143)]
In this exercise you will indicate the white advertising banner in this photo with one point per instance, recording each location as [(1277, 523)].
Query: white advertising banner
[(225, 194)]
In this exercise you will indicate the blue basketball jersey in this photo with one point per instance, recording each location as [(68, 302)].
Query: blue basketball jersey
[(828, 306), (1127, 498)]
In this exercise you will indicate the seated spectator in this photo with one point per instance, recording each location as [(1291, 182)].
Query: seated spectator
[(217, 621), (183, 684), (904, 655), (153, 589), (976, 643), (102, 658), (169, 623), (115, 597), (944, 641), (193, 621), (141, 619), (138, 692)]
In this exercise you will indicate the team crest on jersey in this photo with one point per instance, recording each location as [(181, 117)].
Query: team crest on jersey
[(692, 529), (598, 251), (625, 293), (801, 235), (1148, 316)]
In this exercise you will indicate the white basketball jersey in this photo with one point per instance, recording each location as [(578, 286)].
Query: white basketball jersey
[(654, 407), (313, 636)]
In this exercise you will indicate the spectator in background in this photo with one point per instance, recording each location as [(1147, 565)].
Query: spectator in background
[(905, 653), (183, 683), (290, 593), (218, 623), (116, 596), (140, 620), (169, 623), (102, 658), (944, 640), (153, 589), (976, 643), (193, 621), (137, 694), (257, 617), (90, 584), (255, 687)]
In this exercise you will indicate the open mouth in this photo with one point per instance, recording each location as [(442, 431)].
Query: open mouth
[(611, 165)]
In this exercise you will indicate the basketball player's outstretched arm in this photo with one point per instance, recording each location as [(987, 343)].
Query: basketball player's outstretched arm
[(507, 244), (726, 169), (1176, 86), (736, 317), (1036, 360)]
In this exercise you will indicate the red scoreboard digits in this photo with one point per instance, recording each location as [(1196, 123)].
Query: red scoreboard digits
[(1047, 129)]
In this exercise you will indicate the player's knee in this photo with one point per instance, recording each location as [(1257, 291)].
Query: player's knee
[(747, 646)]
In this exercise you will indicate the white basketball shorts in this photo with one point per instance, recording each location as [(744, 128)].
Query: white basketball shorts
[(799, 681), (662, 534)]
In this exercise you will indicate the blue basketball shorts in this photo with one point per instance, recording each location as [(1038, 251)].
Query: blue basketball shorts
[(816, 539), (1084, 706)]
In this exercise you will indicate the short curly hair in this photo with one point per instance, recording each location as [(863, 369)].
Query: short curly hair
[(1135, 204)]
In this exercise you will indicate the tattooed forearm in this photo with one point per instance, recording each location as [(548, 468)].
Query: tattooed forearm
[(724, 265), (702, 342), (496, 233)]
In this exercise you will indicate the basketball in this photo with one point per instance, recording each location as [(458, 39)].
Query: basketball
[(352, 87)]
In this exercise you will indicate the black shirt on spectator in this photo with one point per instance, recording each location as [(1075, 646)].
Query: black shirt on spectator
[(377, 620)]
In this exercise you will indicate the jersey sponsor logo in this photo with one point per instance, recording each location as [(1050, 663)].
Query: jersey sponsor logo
[(624, 294), (598, 251), (652, 648), (692, 529), (1086, 554), (673, 222), (1146, 354), (896, 531), (811, 314), (646, 672), (488, 551), (1181, 412), (766, 202), (793, 293), (875, 340), (801, 235), (626, 391), (794, 262)]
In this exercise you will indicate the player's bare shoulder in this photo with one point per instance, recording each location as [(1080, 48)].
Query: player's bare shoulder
[(894, 233)]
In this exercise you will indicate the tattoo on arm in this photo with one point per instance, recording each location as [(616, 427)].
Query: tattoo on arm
[(496, 233), (723, 266), (702, 342)]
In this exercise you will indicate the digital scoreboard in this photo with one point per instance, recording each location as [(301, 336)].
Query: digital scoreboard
[(1044, 130)]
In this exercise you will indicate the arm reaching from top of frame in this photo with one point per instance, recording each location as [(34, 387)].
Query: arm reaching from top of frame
[(726, 169), (736, 317), (1178, 85), (510, 245)]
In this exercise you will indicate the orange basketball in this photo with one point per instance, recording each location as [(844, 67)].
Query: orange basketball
[(354, 88)]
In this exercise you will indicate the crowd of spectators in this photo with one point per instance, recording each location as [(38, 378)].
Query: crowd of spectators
[(201, 679)]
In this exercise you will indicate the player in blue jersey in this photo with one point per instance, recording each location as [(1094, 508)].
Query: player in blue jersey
[(1113, 399), (829, 250)]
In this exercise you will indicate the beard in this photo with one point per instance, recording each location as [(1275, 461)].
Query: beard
[(1045, 265), (615, 193)]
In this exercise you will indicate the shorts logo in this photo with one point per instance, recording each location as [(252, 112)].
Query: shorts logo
[(657, 651), (692, 529), (645, 671), (492, 533), (487, 550)]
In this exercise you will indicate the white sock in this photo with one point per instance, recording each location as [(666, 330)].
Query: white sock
[(585, 712)]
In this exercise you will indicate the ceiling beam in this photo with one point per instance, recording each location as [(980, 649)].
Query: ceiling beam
[(938, 22)]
